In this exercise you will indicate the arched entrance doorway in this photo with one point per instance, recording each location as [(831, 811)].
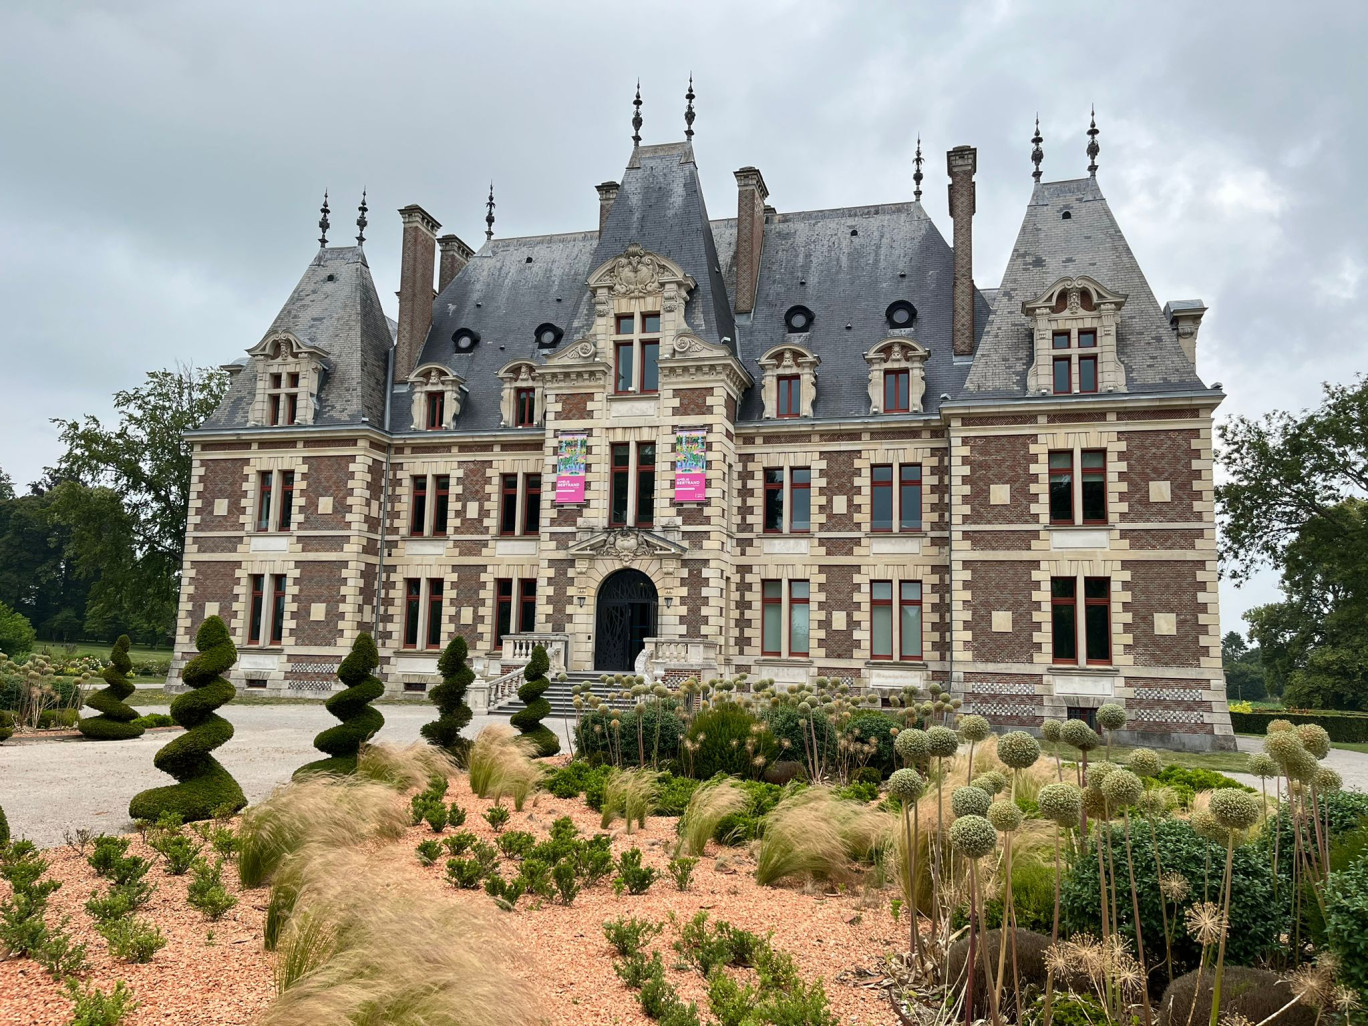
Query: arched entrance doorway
[(625, 617)]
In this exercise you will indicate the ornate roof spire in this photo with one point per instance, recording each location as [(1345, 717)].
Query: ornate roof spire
[(489, 214), (361, 220), (1037, 154), (689, 111), (917, 174), (636, 117), (323, 223), (1093, 148)]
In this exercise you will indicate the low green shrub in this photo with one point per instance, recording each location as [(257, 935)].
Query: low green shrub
[(880, 729), (1341, 726), (536, 877), (632, 876), (681, 871), (708, 946), (93, 1007), (570, 780), (673, 794), (207, 893), (429, 851), (517, 844), (465, 873), (132, 939), (177, 850), (497, 817), (57, 719), (459, 843), (727, 739), (505, 892), (153, 720), (629, 936), (864, 791), (1346, 910), (436, 816), (565, 875), (796, 737), (596, 740), (1186, 781)]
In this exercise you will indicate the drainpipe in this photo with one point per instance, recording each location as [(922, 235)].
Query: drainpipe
[(950, 547), (384, 500)]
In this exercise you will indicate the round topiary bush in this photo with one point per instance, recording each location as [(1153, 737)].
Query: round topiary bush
[(726, 738), (529, 719), (1248, 995), (360, 721), (204, 787), (788, 726), (449, 698), (879, 728), (115, 722)]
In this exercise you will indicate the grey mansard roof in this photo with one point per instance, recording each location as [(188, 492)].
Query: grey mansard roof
[(1089, 242), (334, 307)]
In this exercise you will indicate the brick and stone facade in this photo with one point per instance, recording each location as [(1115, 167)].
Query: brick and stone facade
[(884, 493)]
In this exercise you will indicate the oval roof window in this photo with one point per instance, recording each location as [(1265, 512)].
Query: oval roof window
[(465, 339), (901, 314), (548, 336), (798, 319)]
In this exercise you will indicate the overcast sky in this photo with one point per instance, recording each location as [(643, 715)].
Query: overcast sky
[(161, 164)]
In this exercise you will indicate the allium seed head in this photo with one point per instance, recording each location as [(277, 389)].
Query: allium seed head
[(969, 801), (1098, 772), (912, 746), (1143, 762), (1062, 803), (1122, 788), (1315, 739), (1327, 779), (1018, 749), (1049, 730), (973, 836), (1205, 826), (1280, 727), (1261, 764), (1111, 716), (1094, 805), (974, 728), (1004, 816), (991, 782), (906, 785), (942, 742), (1155, 802), (1078, 734)]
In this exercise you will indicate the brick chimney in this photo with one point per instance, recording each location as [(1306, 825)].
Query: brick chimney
[(961, 163), (455, 255), (415, 287), (607, 193), (751, 194)]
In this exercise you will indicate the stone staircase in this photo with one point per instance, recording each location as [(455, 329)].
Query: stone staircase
[(558, 694)]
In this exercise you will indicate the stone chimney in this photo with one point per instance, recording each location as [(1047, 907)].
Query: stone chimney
[(607, 193), (455, 255), (1185, 317), (751, 194), (960, 164), (415, 287)]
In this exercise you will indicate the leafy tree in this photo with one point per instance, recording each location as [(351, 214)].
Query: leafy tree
[(115, 722), (39, 574), (1243, 667), (529, 719), (449, 698), (16, 633), (146, 461), (203, 785), (6, 485), (360, 721)]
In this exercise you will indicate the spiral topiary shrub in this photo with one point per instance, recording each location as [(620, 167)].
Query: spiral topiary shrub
[(203, 785), (449, 698), (4, 829), (115, 722), (353, 707), (529, 720)]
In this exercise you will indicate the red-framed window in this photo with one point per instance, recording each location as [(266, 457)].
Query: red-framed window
[(771, 617), (881, 497), (436, 410), (527, 605), (293, 380), (625, 324), (645, 484), (503, 609), (277, 608), (774, 500), (1061, 487), (897, 391), (790, 396), (650, 324), (508, 504), (532, 504), (1097, 619), (1064, 620), (799, 618), (1094, 475), (413, 606), (1087, 338), (275, 408), (619, 483), (1063, 375), (650, 366), (524, 407), (1087, 374), (1061, 340), (800, 500), (910, 497), (623, 358), (292, 405), (285, 514), (910, 620), (441, 503), (881, 619), (436, 586), (257, 610), (418, 512), (265, 486)]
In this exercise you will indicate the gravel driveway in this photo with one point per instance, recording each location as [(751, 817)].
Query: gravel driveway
[(1352, 766), (50, 787)]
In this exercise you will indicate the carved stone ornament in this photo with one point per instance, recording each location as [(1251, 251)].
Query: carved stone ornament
[(626, 543), (635, 273), (785, 361), (897, 354)]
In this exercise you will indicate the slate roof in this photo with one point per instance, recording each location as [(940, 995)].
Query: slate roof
[(1089, 242), (336, 308)]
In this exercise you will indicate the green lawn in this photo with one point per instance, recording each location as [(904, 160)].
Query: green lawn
[(147, 697), (1221, 762), (99, 649)]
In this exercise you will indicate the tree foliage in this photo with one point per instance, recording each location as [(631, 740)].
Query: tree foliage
[(115, 719), (16, 633), (449, 698), (360, 721), (1243, 666), (529, 719)]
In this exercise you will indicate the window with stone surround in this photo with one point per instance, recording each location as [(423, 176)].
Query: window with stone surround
[(525, 406), (519, 504), (785, 618), (436, 586), (897, 628), (436, 397), (282, 399), (1085, 493), (900, 506), (631, 484), (910, 620), (897, 376), (422, 627), (636, 353), (799, 618), (522, 403), (275, 501), (256, 611), (1080, 636), (1074, 329), (429, 505), (266, 609), (508, 504), (288, 376), (413, 610), (515, 603), (771, 618), (788, 383), (503, 609), (896, 387), (787, 500), (436, 411), (527, 605), (790, 396)]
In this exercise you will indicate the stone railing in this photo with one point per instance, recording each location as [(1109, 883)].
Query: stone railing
[(676, 659), (517, 649), (484, 696)]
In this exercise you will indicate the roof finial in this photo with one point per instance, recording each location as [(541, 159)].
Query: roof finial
[(489, 214), (917, 174), (636, 117), (1037, 154), (361, 220), (323, 223), (1093, 148), (689, 111)]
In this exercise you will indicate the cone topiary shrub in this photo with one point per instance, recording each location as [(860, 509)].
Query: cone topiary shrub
[(4, 829), (115, 722), (204, 786), (449, 698), (529, 720), (353, 707)]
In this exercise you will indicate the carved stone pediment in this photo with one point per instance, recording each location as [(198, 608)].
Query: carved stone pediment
[(626, 543), (286, 345), (636, 273), (1080, 295), (437, 378), (894, 354)]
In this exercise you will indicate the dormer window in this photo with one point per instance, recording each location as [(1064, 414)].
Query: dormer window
[(283, 399), (798, 320), (437, 396), (789, 385), (436, 406), (897, 376), (1075, 323), (525, 406), (288, 375), (523, 403), (900, 314), (636, 353), (790, 395)]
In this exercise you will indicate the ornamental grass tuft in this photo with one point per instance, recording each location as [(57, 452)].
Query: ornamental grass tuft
[(709, 805), (815, 834), (502, 765)]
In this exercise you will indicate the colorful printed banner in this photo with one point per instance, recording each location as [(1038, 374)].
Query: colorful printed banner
[(691, 464), (573, 450)]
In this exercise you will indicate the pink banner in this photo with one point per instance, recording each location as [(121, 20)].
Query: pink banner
[(691, 487), (569, 488), (572, 452)]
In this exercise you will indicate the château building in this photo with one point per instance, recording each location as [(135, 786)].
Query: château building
[(786, 443)]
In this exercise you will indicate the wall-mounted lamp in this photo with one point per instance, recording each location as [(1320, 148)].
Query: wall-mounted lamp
[(580, 599), (669, 601)]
